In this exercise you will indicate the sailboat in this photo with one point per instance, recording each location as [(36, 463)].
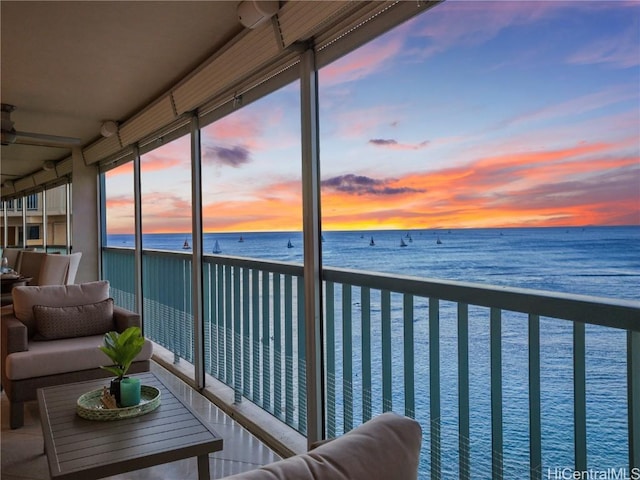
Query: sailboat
[(216, 248), (241, 239), (185, 245), (438, 241), (372, 243), (402, 244), (289, 245)]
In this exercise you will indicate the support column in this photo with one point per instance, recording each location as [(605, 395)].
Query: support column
[(84, 224), (312, 245), (196, 258), (137, 202)]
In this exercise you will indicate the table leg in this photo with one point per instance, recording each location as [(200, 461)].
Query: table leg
[(203, 467)]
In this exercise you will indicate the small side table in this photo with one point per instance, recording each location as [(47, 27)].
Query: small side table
[(8, 282)]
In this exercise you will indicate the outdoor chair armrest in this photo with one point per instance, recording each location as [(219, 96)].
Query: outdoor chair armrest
[(14, 335), (124, 318)]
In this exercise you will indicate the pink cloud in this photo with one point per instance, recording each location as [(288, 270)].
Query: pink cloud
[(361, 63)]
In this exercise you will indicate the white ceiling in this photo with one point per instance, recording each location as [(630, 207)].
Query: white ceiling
[(68, 66)]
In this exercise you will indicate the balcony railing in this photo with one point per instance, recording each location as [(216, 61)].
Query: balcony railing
[(506, 382)]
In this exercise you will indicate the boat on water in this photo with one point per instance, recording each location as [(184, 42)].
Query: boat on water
[(289, 245), (185, 245), (216, 248), (372, 243), (402, 244), (241, 239), (438, 241)]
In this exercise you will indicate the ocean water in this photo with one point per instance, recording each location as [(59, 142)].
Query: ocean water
[(596, 261)]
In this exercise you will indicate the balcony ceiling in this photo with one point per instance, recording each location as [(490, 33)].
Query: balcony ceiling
[(69, 66)]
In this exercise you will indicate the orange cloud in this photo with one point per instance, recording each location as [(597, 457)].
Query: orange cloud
[(588, 183)]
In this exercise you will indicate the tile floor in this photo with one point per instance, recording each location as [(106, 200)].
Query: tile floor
[(23, 456)]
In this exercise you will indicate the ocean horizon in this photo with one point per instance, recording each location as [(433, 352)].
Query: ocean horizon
[(601, 261)]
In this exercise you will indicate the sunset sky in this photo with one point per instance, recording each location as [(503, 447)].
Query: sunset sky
[(475, 114)]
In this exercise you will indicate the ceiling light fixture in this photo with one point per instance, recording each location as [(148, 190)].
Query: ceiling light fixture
[(49, 165), (109, 128), (252, 13)]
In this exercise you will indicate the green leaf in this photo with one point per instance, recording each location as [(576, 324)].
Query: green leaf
[(122, 349)]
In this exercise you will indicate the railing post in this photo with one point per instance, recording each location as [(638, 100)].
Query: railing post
[(579, 397), (434, 388), (330, 335), (288, 350), (365, 302), (633, 395), (311, 221), (409, 358), (246, 345), (463, 392), (237, 341), (496, 394), (347, 358), (266, 342), (387, 360), (535, 432)]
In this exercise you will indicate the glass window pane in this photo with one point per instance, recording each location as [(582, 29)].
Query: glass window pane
[(118, 261), (252, 174)]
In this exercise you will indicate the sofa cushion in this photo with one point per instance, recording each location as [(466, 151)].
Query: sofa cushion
[(62, 356), (74, 321), (24, 298), (385, 447)]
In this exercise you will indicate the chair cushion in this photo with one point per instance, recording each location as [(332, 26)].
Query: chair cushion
[(24, 298), (62, 356), (53, 323), (53, 270), (30, 264)]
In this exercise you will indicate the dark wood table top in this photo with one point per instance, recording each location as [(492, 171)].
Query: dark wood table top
[(8, 282), (84, 449)]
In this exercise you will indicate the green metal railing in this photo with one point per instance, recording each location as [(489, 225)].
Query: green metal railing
[(456, 356)]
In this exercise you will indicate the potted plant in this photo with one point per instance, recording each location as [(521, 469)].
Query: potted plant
[(122, 349)]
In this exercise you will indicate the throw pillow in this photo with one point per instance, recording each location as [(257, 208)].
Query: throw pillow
[(24, 298), (53, 323)]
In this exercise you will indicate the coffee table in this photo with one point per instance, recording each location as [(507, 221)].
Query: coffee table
[(85, 449)]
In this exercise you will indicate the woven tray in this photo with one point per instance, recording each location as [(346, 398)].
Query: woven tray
[(88, 405)]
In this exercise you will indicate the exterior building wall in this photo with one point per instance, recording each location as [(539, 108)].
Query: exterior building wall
[(56, 220)]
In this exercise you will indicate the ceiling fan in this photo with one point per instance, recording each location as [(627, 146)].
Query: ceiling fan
[(11, 136)]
